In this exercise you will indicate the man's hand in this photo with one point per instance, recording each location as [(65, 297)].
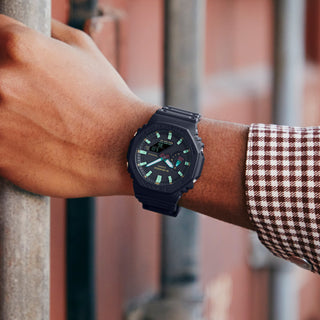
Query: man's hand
[(66, 116)]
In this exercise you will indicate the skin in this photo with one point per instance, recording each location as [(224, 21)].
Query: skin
[(67, 118)]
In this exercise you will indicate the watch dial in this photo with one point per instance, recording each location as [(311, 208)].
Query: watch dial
[(163, 157)]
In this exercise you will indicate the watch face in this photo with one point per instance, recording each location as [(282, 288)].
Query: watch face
[(163, 157)]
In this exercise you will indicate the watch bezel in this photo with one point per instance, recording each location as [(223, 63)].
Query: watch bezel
[(187, 181)]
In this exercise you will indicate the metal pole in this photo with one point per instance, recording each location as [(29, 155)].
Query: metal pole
[(288, 76), (80, 259), (81, 11), (184, 36), (81, 220), (287, 110), (24, 217)]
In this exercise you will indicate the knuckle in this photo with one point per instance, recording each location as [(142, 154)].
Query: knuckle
[(12, 42)]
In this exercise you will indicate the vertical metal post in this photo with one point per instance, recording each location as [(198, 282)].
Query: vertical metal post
[(80, 259), (288, 61), (24, 217), (81, 220), (184, 36), (81, 11), (287, 110)]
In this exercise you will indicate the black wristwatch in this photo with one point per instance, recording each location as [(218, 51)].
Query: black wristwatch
[(165, 158)]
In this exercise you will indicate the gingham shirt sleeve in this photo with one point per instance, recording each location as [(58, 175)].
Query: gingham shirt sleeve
[(283, 190)]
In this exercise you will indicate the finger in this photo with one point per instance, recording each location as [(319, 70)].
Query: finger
[(69, 35)]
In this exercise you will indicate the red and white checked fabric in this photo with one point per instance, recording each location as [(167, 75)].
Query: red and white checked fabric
[(283, 189)]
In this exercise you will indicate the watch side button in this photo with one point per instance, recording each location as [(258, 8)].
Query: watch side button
[(127, 164), (135, 133), (194, 180)]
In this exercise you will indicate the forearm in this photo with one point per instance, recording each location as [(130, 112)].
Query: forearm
[(220, 192)]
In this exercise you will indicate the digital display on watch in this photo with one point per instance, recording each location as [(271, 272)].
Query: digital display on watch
[(159, 147)]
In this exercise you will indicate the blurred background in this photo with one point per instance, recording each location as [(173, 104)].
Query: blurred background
[(260, 64)]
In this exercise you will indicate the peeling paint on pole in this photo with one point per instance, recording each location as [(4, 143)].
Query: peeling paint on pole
[(25, 217)]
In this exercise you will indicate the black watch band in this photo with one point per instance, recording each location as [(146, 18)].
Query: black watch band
[(168, 111), (175, 116), (158, 201)]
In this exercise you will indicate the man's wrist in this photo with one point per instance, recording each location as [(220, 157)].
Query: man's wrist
[(139, 116), (219, 192)]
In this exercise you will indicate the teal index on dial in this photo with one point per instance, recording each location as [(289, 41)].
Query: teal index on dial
[(159, 178), (157, 134), (148, 174), (142, 151), (169, 135), (147, 141), (142, 164), (186, 151), (180, 141)]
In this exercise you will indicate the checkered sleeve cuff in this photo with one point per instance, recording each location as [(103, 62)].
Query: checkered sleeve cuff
[(283, 190)]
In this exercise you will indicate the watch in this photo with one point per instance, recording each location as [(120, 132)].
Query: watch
[(165, 159)]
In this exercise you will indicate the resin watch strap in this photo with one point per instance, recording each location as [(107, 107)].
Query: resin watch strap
[(158, 201), (178, 114)]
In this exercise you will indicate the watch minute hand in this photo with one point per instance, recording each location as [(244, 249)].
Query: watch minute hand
[(154, 162)]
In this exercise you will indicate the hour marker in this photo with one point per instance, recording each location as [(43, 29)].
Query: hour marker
[(158, 180), (142, 151), (169, 135), (180, 173), (170, 179), (147, 141), (157, 134), (142, 164), (186, 151), (179, 142), (148, 174), (187, 163)]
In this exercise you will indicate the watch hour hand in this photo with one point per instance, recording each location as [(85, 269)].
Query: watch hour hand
[(154, 162), (179, 161), (169, 163)]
